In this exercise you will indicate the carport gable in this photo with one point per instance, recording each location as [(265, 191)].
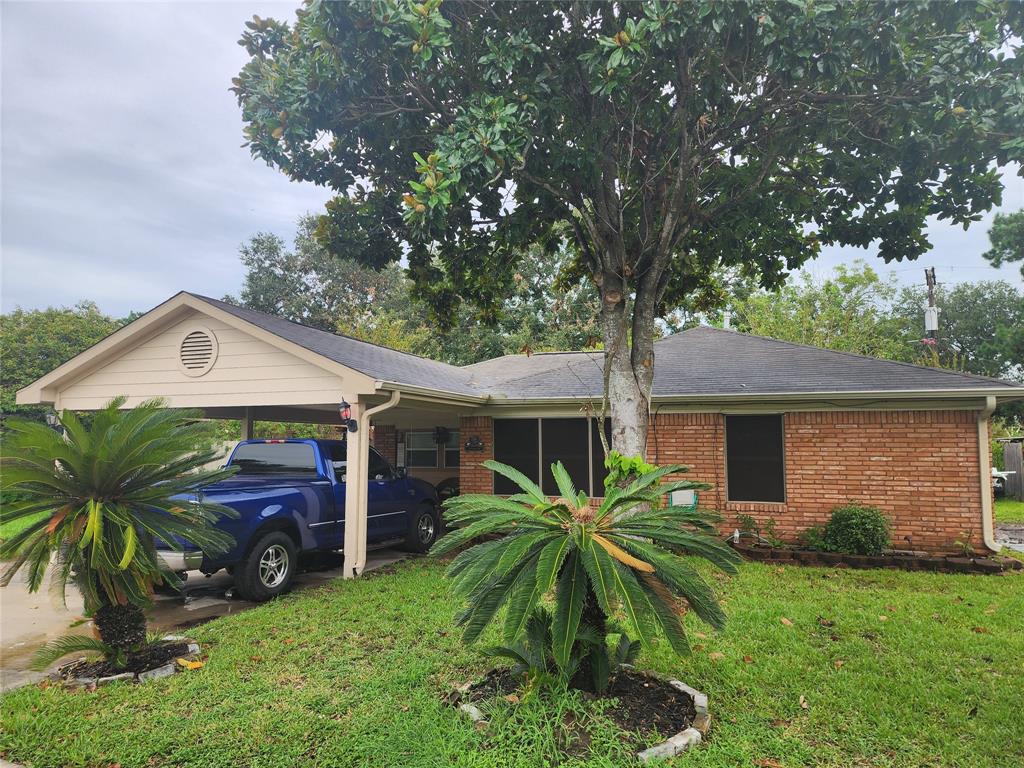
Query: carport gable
[(192, 353)]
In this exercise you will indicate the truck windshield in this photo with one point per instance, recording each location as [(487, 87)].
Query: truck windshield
[(275, 459)]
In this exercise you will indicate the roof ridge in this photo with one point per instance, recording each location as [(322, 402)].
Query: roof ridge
[(533, 354), (857, 355), (320, 330)]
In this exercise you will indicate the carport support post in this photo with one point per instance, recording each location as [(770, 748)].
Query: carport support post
[(247, 424), (357, 486), (355, 506)]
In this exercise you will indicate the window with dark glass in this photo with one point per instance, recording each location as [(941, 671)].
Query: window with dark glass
[(451, 449), (597, 454), (275, 459), (565, 440), (420, 449), (533, 445), (516, 444), (378, 469), (754, 458)]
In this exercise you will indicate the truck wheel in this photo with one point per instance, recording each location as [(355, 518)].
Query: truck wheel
[(268, 569), (423, 529)]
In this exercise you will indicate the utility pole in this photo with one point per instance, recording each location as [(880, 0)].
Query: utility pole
[(931, 312)]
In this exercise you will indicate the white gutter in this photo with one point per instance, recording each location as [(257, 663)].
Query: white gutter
[(429, 393), (356, 491), (1003, 393), (985, 470)]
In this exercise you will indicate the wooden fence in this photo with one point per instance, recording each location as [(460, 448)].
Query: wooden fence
[(1013, 461)]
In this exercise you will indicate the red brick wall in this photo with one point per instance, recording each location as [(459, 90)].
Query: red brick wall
[(385, 440), (474, 478), (919, 467)]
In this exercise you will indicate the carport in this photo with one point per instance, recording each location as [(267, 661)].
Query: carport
[(233, 363)]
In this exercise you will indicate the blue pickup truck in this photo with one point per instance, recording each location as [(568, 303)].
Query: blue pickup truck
[(290, 496)]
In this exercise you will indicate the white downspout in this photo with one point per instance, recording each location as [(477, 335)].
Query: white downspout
[(357, 493), (985, 466)]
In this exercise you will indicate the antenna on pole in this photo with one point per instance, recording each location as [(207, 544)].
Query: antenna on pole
[(931, 312)]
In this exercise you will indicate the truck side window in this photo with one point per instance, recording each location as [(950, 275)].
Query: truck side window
[(379, 469)]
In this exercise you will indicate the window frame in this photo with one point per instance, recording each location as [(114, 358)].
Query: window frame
[(725, 456)]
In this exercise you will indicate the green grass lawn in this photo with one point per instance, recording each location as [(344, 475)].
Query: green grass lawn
[(897, 670), (1009, 511)]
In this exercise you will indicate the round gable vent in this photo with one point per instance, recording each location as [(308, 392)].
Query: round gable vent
[(197, 352)]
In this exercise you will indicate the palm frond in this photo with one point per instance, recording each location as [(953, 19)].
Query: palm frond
[(65, 645)]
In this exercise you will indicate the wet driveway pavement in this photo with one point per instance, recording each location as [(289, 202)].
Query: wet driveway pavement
[(27, 621)]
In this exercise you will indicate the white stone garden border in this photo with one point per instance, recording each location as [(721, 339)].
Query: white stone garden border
[(130, 677), (690, 737), (672, 746)]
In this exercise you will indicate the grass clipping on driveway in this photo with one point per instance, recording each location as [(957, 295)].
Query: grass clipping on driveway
[(816, 667)]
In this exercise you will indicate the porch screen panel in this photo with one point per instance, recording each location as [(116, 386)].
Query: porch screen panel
[(754, 458), (597, 451), (516, 444), (565, 440)]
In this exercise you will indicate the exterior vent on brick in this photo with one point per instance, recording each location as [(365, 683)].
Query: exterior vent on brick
[(197, 352)]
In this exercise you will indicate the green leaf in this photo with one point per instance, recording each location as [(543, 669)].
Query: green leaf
[(529, 487), (569, 596), (522, 599), (563, 481), (549, 561)]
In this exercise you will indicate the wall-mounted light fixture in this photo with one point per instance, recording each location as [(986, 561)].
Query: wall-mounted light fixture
[(345, 411), (474, 444)]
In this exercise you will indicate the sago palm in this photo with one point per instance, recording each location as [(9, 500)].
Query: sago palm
[(624, 558), (102, 492)]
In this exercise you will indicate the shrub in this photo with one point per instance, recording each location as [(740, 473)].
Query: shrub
[(625, 557), (855, 529), (813, 538)]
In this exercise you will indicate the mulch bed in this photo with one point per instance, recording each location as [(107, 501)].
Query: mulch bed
[(150, 657), (906, 562), (645, 704)]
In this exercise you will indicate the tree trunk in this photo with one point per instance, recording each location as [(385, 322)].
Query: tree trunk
[(629, 371), (122, 627)]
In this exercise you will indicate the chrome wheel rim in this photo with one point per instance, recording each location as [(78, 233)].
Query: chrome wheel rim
[(425, 528), (273, 566)]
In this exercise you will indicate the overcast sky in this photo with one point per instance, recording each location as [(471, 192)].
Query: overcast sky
[(123, 178)]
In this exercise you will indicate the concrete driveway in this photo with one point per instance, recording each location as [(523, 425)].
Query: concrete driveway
[(28, 621)]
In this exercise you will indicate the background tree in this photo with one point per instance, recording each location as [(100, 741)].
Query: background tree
[(673, 138), (308, 285), (1007, 239), (34, 342), (976, 324), (850, 311)]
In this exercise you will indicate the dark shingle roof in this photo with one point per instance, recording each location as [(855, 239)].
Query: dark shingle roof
[(710, 361), (374, 361), (699, 361)]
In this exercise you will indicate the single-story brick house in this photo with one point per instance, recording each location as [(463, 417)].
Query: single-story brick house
[(783, 431)]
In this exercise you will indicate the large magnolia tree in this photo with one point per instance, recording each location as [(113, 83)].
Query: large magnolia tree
[(674, 139)]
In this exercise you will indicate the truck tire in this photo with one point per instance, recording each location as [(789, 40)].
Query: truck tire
[(423, 529), (268, 569)]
